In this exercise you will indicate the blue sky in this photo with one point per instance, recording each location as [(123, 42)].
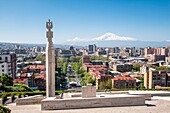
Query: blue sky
[(24, 20)]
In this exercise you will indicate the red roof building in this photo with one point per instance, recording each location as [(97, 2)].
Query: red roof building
[(123, 82), (40, 81), (21, 81)]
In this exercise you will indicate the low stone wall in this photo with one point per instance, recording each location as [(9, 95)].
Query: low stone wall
[(126, 100), (71, 95), (146, 96), (30, 100)]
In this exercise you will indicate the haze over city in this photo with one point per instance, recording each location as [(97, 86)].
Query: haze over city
[(85, 20)]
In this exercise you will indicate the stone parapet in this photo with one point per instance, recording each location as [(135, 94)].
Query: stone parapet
[(29, 100), (78, 103)]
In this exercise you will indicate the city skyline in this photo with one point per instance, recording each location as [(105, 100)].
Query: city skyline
[(23, 21)]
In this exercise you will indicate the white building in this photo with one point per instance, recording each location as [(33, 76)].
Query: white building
[(5, 68), (8, 64)]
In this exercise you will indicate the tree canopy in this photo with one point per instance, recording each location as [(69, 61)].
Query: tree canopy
[(6, 80), (162, 68), (98, 58), (136, 67)]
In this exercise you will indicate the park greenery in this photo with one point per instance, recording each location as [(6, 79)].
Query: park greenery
[(75, 58), (98, 58), (162, 68), (4, 109), (13, 95), (84, 77), (64, 67), (41, 57), (6, 80), (105, 84), (136, 67), (15, 88), (159, 68), (8, 86), (77, 67), (142, 82)]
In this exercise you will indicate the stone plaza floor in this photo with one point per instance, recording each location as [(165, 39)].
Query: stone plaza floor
[(156, 105)]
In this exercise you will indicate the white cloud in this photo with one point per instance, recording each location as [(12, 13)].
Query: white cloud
[(105, 37), (168, 40)]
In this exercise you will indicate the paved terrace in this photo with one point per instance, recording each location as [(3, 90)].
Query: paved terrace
[(156, 105)]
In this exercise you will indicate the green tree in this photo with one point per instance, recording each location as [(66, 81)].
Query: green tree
[(6, 80), (136, 67), (162, 68), (83, 81), (142, 82), (109, 84), (102, 85), (90, 80), (98, 58), (4, 109), (65, 67), (59, 62), (41, 58), (77, 67), (75, 58)]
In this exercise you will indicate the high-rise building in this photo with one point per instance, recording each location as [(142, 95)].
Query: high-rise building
[(92, 48), (8, 64)]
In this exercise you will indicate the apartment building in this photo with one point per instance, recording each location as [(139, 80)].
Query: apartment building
[(123, 82), (123, 67), (8, 64), (154, 78)]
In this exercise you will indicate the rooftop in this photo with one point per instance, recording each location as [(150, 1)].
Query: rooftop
[(123, 78)]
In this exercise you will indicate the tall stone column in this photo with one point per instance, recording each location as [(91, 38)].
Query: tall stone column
[(50, 62)]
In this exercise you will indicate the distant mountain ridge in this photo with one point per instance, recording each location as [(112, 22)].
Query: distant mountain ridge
[(111, 36), (105, 40), (112, 40), (105, 37)]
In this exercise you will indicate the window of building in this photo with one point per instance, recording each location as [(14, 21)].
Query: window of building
[(2, 66), (2, 70), (6, 59), (0, 58)]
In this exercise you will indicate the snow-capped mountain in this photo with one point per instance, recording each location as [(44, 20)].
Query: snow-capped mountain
[(105, 37), (111, 36), (111, 40)]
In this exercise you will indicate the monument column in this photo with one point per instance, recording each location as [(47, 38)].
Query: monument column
[(50, 62)]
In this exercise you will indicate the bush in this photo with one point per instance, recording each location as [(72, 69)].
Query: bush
[(23, 94), (12, 96), (9, 89), (22, 87), (4, 98), (4, 109), (19, 95)]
